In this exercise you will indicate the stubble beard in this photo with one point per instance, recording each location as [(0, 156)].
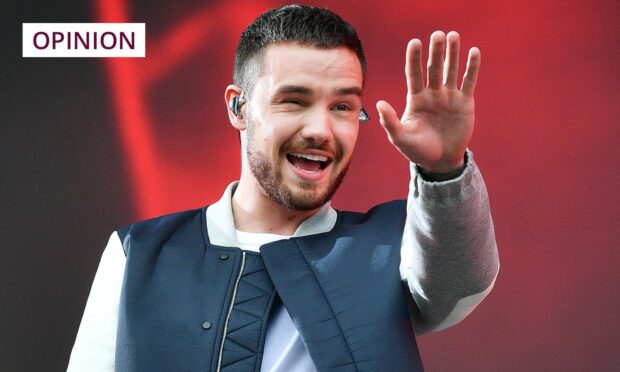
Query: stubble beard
[(270, 179)]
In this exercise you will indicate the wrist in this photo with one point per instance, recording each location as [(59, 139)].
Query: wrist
[(443, 172)]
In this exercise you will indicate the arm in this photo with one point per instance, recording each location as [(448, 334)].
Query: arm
[(448, 254), (95, 344)]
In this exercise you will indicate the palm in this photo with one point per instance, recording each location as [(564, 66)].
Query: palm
[(438, 120)]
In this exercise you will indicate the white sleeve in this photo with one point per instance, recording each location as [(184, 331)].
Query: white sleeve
[(449, 256), (95, 343)]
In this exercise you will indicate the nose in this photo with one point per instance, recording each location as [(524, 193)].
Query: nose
[(317, 126)]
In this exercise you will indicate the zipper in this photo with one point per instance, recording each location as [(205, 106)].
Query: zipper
[(232, 302)]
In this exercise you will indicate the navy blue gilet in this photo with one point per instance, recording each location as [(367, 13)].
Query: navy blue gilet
[(189, 305)]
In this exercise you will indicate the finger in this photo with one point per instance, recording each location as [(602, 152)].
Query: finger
[(413, 67), (451, 66), (389, 120), (435, 59), (471, 72)]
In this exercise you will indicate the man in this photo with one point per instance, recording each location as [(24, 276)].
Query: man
[(271, 277)]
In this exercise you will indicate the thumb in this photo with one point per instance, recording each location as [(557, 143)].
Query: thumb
[(389, 120)]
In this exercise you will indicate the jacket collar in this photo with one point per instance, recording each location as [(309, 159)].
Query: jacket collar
[(221, 224)]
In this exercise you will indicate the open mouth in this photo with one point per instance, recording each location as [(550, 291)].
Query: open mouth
[(308, 162)]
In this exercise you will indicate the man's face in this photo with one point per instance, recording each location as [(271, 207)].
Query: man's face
[(303, 123)]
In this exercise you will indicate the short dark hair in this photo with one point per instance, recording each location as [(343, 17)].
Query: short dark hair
[(302, 24)]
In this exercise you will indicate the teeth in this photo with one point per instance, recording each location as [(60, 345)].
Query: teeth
[(311, 157)]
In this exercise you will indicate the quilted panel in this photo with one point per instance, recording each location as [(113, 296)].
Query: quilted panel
[(245, 337)]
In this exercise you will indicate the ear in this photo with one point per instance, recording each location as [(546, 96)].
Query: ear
[(237, 121)]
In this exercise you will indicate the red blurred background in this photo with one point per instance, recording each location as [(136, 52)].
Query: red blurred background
[(546, 139)]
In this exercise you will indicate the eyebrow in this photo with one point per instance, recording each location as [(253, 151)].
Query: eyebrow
[(347, 91), (288, 89)]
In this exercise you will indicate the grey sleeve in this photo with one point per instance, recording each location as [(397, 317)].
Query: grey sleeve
[(449, 258)]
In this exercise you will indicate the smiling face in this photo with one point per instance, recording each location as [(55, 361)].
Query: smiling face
[(302, 123)]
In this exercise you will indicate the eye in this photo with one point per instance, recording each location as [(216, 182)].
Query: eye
[(293, 101), (342, 107)]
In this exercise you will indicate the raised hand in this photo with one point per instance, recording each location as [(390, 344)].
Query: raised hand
[(439, 119)]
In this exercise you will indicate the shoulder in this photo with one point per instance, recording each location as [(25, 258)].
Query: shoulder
[(391, 211), (161, 227)]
